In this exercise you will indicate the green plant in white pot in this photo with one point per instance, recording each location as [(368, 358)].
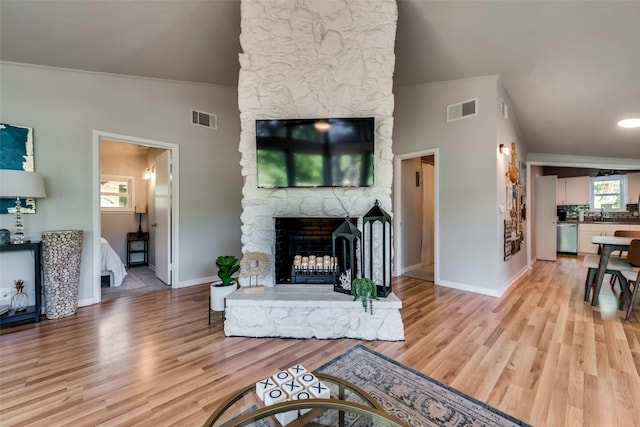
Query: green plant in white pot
[(366, 290), (227, 267)]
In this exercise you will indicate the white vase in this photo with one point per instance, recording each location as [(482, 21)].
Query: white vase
[(218, 295)]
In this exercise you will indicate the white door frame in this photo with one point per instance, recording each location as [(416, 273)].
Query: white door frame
[(175, 202), (397, 210)]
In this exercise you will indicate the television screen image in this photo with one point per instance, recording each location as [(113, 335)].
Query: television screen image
[(315, 152)]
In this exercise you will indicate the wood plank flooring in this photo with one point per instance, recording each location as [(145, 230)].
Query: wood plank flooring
[(538, 353)]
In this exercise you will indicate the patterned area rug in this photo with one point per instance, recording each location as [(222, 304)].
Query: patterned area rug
[(410, 395)]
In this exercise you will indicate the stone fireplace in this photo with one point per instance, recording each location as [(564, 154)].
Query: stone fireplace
[(313, 59)]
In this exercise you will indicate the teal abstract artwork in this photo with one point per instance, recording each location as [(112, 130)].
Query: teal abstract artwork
[(16, 153)]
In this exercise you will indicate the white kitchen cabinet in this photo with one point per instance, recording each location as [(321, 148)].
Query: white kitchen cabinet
[(573, 191), (633, 187), (577, 190), (587, 231)]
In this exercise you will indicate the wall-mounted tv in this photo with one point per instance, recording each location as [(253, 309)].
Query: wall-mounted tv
[(315, 152)]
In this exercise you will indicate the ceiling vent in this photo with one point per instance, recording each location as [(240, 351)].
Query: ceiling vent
[(462, 110), (504, 109), (207, 120)]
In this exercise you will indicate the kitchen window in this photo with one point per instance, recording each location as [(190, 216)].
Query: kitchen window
[(116, 193), (608, 192)]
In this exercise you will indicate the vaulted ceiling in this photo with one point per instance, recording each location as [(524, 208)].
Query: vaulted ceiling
[(571, 68)]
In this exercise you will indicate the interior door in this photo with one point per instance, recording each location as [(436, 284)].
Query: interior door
[(428, 207), (162, 222), (546, 217)]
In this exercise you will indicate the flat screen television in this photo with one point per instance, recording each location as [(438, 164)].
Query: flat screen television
[(315, 152)]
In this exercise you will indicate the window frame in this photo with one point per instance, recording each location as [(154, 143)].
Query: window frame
[(130, 194), (623, 192)]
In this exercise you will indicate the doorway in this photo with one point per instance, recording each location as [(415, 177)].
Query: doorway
[(416, 215), (160, 249)]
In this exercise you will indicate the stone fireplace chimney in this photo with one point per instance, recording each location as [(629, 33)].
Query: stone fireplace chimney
[(314, 59)]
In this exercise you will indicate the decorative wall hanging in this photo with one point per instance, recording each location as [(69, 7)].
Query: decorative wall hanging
[(515, 202), (16, 153), (508, 231)]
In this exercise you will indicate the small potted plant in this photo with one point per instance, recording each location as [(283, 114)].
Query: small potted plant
[(227, 267), (366, 290), (20, 301)]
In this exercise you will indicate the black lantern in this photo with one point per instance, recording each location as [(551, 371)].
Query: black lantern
[(345, 239), (376, 248)]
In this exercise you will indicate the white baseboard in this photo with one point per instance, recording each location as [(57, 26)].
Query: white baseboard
[(411, 267), (192, 282), (485, 291), (469, 288), (84, 302)]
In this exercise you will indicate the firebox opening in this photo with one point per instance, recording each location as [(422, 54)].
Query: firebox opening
[(304, 236)]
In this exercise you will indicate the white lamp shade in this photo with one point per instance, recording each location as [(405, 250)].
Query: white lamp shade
[(14, 183)]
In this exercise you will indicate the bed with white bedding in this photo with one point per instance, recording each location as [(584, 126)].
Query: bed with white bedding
[(111, 264)]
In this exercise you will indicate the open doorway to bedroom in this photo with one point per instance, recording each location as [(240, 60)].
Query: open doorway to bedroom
[(136, 216)]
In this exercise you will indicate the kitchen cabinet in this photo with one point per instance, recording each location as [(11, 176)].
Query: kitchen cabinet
[(577, 190), (573, 191), (633, 187), (587, 231)]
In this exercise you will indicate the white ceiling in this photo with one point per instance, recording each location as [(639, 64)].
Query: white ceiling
[(571, 68)]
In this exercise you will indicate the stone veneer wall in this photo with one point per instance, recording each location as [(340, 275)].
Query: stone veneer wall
[(314, 59)]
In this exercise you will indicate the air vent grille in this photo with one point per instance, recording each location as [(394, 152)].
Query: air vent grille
[(504, 109), (203, 119), (462, 110)]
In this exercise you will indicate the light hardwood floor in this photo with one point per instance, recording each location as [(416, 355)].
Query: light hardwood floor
[(538, 353)]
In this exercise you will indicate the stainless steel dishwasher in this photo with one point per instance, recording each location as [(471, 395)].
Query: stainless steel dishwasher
[(567, 238)]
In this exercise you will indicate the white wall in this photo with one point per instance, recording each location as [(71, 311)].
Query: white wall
[(470, 254), (65, 107), (508, 133)]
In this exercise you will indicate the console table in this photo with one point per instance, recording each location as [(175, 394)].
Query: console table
[(33, 311)]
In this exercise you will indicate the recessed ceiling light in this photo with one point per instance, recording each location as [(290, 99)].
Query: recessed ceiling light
[(629, 123)]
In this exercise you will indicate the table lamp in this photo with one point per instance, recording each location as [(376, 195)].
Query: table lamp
[(140, 211), (20, 184)]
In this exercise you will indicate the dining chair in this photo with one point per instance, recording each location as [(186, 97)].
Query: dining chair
[(626, 233), (633, 275), (614, 267), (623, 254)]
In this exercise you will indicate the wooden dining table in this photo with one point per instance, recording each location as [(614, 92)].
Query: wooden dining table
[(607, 245)]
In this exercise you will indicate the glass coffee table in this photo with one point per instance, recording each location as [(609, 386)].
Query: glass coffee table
[(347, 405)]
